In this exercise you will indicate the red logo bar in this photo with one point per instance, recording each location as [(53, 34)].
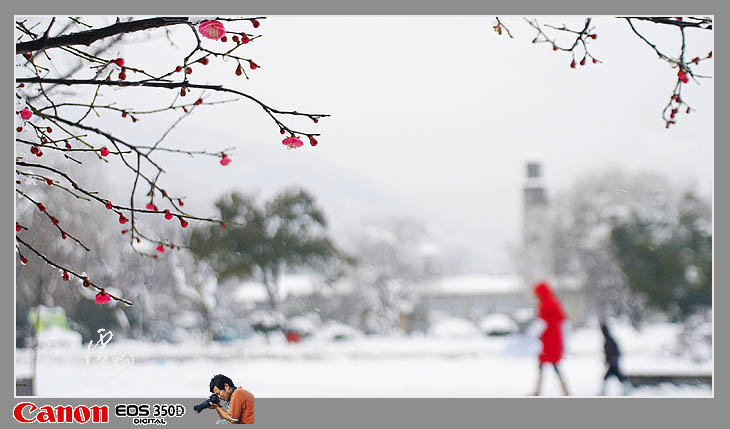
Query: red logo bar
[(28, 412)]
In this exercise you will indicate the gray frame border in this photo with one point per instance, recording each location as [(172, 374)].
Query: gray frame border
[(356, 413)]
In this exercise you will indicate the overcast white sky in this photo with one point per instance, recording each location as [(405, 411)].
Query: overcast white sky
[(433, 118)]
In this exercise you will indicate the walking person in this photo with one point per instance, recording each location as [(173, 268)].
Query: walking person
[(611, 353), (551, 316)]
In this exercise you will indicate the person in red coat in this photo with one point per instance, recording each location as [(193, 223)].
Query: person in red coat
[(551, 315)]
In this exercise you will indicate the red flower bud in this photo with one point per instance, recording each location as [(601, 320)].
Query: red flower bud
[(104, 151), (179, 201), (18, 227), (64, 276), (102, 297), (595, 60), (235, 38), (239, 70), (178, 69), (122, 219), (253, 65), (189, 70), (119, 62), (593, 36), (85, 281), (23, 260), (122, 75), (49, 181), (313, 141), (19, 129), (168, 215), (49, 130), (224, 39), (182, 92), (203, 61), (34, 150), (572, 64), (109, 205), (160, 248), (63, 236), (223, 225), (68, 145), (150, 206), (583, 61), (183, 223), (255, 23), (41, 207), (555, 48)]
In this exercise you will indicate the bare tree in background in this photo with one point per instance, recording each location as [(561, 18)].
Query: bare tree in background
[(577, 42), (583, 218), (394, 258), (64, 79)]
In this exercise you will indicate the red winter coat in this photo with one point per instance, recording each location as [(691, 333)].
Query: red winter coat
[(551, 311)]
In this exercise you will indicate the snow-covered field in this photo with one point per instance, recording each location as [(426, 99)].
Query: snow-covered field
[(395, 366)]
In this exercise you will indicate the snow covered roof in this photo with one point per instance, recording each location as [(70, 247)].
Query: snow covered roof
[(479, 284), (292, 285), (289, 285)]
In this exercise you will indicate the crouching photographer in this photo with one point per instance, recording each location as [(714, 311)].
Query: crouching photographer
[(241, 401)]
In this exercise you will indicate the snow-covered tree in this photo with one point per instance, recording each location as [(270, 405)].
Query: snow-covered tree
[(584, 216), (394, 258)]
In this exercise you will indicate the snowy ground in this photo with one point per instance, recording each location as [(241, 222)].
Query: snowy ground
[(399, 366)]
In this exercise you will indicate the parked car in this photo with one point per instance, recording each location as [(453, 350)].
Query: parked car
[(498, 324), (454, 327), (336, 331)]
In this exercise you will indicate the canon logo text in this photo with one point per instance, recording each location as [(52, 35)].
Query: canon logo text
[(28, 412)]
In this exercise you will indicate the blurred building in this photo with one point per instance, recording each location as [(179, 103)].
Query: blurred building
[(475, 296), (471, 296)]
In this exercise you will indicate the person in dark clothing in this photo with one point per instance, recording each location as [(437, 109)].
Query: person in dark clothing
[(612, 355)]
